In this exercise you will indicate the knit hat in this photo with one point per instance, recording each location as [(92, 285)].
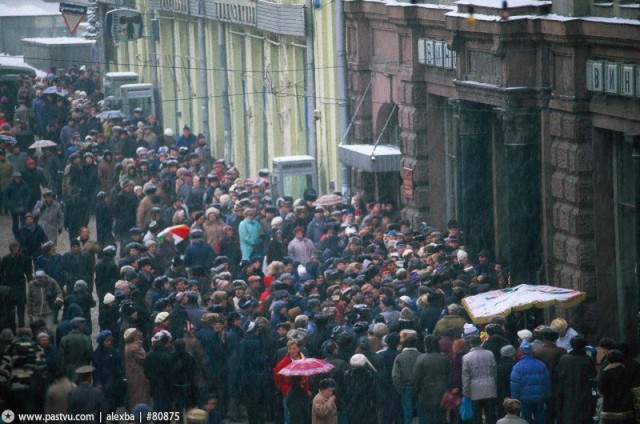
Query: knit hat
[(278, 305), (161, 317), (461, 255), (525, 335), (469, 330), (406, 299), (103, 335), (358, 360), (407, 314), (108, 299), (525, 347), (508, 351)]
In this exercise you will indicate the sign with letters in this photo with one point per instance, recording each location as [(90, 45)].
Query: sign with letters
[(618, 79)]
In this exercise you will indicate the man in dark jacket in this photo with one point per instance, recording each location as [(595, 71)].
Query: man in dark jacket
[(75, 348), (76, 265), (86, 399), (16, 197), (16, 271), (107, 273), (31, 237), (550, 354), (430, 380), (125, 213), (156, 369)]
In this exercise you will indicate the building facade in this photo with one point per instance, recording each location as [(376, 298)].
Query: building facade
[(250, 55), (520, 123)]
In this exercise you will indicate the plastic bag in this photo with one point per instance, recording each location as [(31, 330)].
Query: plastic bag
[(465, 410)]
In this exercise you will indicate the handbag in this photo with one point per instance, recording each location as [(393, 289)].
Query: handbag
[(465, 410), (450, 400)]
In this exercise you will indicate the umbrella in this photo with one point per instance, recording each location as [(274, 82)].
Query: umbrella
[(111, 114), (329, 200), (7, 139), (54, 90), (306, 367), (42, 144), (483, 306), (180, 232)]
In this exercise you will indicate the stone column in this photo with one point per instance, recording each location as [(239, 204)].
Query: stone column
[(473, 173), (521, 142)]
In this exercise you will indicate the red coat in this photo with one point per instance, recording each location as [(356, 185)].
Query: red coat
[(282, 383)]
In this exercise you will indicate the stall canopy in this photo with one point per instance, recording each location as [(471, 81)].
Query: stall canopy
[(483, 306)]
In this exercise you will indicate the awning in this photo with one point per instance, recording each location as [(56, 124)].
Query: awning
[(370, 158)]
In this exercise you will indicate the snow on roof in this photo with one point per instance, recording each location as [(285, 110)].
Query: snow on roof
[(283, 159), (121, 74), (497, 4), (371, 149), (58, 40), (6, 60), (28, 8)]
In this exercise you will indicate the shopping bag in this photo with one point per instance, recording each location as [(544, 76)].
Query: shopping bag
[(450, 400), (465, 410)]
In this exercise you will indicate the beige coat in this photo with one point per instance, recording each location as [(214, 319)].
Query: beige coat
[(137, 383), (324, 410), (57, 396)]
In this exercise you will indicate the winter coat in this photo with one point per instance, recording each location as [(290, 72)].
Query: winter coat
[(213, 231), (315, 230), (16, 197), (125, 213), (503, 381), (15, 272), (615, 388), (51, 265), (450, 321), (402, 373), (75, 266), (301, 250), (86, 399), (6, 170), (249, 234), (431, 378), (34, 178), (143, 213), (109, 374), (31, 238), (50, 218), (530, 380), (362, 395), (58, 396), (575, 371), (137, 383), (323, 410), (299, 405), (104, 223), (550, 354), (283, 383), (75, 351), (107, 273), (64, 327), (41, 296), (199, 253), (156, 369), (494, 344), (479, 374), (254, 374)]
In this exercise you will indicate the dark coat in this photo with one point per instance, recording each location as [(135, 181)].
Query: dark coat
[(361, 396), (52, 266), (15, 272), (431, 378), (125, 213), (107, 273), (31, 239), (75, 267), (503, 380), (17, 196), (109, 373), (254, 374), (156, 369), (75, 351), (575, 370), (86, 399), (615, 388)]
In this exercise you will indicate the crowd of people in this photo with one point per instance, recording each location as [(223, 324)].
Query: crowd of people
[(205, 321)]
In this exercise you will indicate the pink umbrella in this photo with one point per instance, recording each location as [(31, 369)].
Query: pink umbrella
[(306, 367)]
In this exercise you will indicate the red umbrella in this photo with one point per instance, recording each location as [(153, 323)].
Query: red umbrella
[(306, 367), (180, 232)]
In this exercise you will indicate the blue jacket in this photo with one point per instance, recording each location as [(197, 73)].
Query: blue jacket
[(199, 253), (530, 380)]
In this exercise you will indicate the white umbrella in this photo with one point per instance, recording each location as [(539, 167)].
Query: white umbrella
[(42, 144)]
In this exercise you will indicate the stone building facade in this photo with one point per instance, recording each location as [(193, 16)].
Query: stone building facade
[(521, 124)]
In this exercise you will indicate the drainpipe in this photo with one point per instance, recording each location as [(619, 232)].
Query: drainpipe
[(311, 87), (343, 113), (204, 88), (226, 113)]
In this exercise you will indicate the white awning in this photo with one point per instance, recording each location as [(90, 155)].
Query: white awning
[(370, 158)]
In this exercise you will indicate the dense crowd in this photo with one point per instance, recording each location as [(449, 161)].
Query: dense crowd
[(207, 288)]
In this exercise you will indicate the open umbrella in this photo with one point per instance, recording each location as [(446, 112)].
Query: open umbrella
[(306, 367), (329, 200), (111, 114), (42, 144), (180, 233), (7, 139), (54, 90), (483, 306)]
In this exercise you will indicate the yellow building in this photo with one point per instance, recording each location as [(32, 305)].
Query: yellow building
[(264, 52)]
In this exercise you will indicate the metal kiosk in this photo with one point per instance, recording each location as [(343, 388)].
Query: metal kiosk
[(292, 175)]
